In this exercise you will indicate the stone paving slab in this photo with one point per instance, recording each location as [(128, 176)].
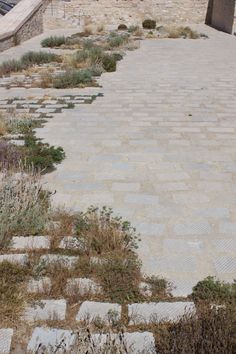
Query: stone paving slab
[(82, 286), (5, 340), (39, 285), (21, 259), (106, 312), (50, 338), (30, 242), (46, 310), (57, 259), (158, 312)]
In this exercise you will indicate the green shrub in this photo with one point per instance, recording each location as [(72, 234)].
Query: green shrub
[(109, 63), (88, 44), (149, 24), (117, 56), (122, 27), (117, 40), (53, 41), (120, 277), (30, 58), (133, 28), (40, 155), (10, 66), (73, 78), (96, 70), (211, 289)]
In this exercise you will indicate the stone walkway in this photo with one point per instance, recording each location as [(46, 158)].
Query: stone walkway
[(159, 148)]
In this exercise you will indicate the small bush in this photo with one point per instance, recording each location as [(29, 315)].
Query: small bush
[(30, 58), (10, 155), (53, 41), (96, 70), (40, 155), (73, 78), (120, 277), (160, 287), (115, 40), (211, 289), (88, 44), (133, 28), (10, 66), (122, 27), (24, 206), (109, 63), (103, 232), (11, 296), (208, 331), (149, 24), (183, 32)]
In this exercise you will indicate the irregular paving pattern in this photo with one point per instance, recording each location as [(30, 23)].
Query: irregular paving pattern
[(159, 148)]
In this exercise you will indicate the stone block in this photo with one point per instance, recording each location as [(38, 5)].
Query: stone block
[(57, 259), (39, 285), (21, 259), (5, 340), (72, 242), (156, 312), (46, 310), (30, 242), (106, 312), (82, 286)]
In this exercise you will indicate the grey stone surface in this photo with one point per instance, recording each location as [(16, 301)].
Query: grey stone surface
[(158, 312), (82, 286), (30, 242), (106, 312), (46, 310), (52, 259), (51, 338), (39, 285), (5, 340), (21, 259), (72, 242)]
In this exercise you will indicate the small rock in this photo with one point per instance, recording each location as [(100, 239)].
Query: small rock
[(145, 289), (57, 259), (73, 242)]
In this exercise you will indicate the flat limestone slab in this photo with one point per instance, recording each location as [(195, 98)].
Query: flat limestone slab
[(30, 242), (46, 310), (53, 259), (72, 242), (50, 338), (82, 286), (39, 285), (91, 311), (5, 340), (21, 259), (158, 312)]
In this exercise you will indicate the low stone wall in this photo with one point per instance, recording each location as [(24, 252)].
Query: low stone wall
[(24, 21)]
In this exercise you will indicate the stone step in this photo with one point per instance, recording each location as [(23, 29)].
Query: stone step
[(5, 340), (91, 311), (44, 310), (57, 259), (21, 259), (30, 242), (82, 286), (156, 312), (48, 340)]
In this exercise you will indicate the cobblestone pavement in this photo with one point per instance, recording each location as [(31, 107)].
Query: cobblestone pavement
[(159, 148)]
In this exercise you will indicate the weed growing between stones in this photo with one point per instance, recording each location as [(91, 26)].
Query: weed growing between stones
[(26, 61), (24, 206), (53, 41), (12, 291)]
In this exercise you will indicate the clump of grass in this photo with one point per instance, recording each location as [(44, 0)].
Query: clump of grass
[(183, 32), (133, 28), (213, 290), (53, 41), (73, 78), (40, 155), (208, 331), (103, 232), (109, 63), (116, 40), (24, 205), (149, 24), (159, 287), (11, 291), (120, 277), (10, 155), (27, 60)]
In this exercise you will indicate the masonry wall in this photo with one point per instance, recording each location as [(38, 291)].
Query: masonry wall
[(22, 23)]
